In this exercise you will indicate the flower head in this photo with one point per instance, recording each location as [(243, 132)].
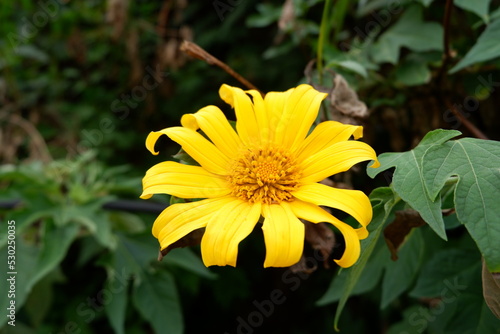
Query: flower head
[(269, 166)]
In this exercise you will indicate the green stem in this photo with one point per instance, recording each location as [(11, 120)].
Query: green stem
[(323, 34)]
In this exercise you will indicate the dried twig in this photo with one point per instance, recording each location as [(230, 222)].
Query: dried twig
[(37, 140), (466, 123), (194, 50), (446, 41)]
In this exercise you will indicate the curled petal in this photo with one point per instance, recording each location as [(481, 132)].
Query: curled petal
[(354, 202), (214, 124), (198, 147), (326, 134), (336, 159), (315, 214)]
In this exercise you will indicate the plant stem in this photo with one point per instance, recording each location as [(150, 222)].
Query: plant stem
[(323, 34)]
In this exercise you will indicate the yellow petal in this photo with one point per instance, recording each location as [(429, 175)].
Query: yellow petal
[(225, 230), (326, 134), (335, 159), (283, 235), (198, 147), (179, 219), (354, 202), (214, 124), (261, 116), (183, 181), (274, 103), (246, 122), (315, 214), (292, 113)]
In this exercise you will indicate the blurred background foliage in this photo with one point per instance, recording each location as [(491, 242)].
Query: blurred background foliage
[(83, 82)]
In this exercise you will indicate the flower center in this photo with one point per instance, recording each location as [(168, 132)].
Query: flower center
[(267, 175)]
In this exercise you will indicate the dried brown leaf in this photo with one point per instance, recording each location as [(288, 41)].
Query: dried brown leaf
[(287, 15), (396, 232), (491, 290), (322, 240), (191, 239), (346, 106)]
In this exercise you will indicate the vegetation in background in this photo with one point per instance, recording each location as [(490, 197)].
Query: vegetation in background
[(82, 83)]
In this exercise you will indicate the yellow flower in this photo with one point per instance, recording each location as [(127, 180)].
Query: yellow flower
[(268, 167)]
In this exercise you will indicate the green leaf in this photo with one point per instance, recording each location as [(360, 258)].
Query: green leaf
[(476, 163), (468, 314), (157, 301), (26, 256), (448, 270), (135, 254), (267, 14), (479, 7), (400, 274), (349, 65), (412, 73), (486, 48), (426, 3), (115, 309), (408, 179), (186, 259), (411, 32), (414, 321), (56, 242), (34, 263), (383, 210)]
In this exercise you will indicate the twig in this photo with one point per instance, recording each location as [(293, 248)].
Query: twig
[(36, 138), (446, 41), (194, 50), (471, 127)]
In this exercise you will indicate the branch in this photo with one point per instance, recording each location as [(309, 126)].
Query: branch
[(194, 50)]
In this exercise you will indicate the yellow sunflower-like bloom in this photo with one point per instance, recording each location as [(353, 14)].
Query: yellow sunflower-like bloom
[(268, 167)]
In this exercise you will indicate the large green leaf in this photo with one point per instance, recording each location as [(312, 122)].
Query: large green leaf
[(400, 274), (26, 260), (33, 262), (411, 32), (479, 7), (486, 47), (157, 301), (56, 242), (476, 163), (408, 179), (116, 308), (134, 254), (448, 271)]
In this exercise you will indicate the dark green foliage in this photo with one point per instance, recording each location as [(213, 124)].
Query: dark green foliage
[(82, 83)]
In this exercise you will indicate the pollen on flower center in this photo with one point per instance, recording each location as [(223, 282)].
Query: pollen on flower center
[(266, 175)]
